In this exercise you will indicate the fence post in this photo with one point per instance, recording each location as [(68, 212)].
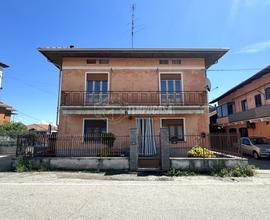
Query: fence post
[(133, 149), (164, 149)]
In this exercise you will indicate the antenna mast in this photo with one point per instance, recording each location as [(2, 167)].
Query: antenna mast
[(132, 23)]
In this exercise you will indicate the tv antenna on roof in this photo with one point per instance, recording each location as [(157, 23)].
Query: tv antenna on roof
[(132, 23)]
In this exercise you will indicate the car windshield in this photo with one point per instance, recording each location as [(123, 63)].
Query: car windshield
[(260, 140)]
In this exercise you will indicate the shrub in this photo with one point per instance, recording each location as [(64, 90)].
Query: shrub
[(23, 164), (44, 165), (108, 139), (198, 151), (175, 172), (239, 171), (106, 152)]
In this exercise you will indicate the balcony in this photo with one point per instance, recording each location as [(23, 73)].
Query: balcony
[(259, 112), (128, 98)]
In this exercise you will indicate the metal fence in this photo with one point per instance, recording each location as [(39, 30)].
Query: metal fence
[(180, 148), (104, 145), (108, 145), (226, 144)]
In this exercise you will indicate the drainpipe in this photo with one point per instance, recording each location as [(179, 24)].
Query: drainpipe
[(59, 96)]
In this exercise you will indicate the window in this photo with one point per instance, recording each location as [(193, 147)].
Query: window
[(244, 105), (243, 132), (258, 100), (176, 129), (230, 108), (171, 88), (225, 109), (104, 61), (245, 141), (97, 89), (93, 129), (162, 61), (267, 93), (176, 61), (219, 111), (91, 61)]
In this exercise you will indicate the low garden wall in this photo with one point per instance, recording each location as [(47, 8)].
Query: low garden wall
[(8, 150), (84, 163), (206, 164)]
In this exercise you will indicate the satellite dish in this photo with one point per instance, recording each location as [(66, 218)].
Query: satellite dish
[(208, 84)]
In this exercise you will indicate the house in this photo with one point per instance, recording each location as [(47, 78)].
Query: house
[(5, 110), (2, 66), (245, 109), (42, 128), (113, 90), (5, 113)]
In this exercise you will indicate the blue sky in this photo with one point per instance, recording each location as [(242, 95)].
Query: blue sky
[(31, 83)]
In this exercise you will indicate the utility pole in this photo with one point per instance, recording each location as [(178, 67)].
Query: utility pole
[(132, 24)]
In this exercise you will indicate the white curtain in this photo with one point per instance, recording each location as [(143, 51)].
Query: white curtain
[(146, 136)]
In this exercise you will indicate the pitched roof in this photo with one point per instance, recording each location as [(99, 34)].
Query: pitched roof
[(3, 65), (41, 127), (7, 107), (247, 81), (211, 55)]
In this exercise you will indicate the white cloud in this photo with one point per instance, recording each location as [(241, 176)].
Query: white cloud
[(255, 48)]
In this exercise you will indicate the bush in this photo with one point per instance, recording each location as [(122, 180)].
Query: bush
[(198, 151), (12, 129), (23, 164), (239, 171), (106, 152), (175, 172), (108, 139), (44, 166)]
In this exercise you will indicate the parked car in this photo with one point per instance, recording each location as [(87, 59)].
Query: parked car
[(255, 146)]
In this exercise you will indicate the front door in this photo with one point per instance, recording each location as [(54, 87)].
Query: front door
[(147, 141)]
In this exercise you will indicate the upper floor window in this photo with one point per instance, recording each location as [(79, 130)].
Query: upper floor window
[(267, 93), (97, 88), (244, 105), (170, 86), (104, 61), (258, 100), (176, 61), (230, 108), (91, 61), (225, 109), (163, 61)]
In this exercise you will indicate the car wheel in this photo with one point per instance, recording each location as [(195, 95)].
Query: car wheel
[(256, 155)]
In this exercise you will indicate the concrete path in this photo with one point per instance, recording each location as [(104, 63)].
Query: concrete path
[(65, 195)]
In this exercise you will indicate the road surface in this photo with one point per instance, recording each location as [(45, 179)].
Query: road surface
[(89, 196)]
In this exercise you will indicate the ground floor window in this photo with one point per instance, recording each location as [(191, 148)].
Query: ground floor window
[(243, 132), (176, 129), (95, 127)]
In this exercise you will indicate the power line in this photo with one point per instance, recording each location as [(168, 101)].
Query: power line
[(35, 87), (29, 116)]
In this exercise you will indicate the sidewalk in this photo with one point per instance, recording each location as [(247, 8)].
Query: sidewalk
[(262, 177)]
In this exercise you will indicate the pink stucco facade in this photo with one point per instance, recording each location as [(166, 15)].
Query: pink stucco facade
[(137, 75), (259, 116)]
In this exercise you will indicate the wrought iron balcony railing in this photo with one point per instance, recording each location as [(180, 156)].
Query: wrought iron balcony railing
[(131, 98)]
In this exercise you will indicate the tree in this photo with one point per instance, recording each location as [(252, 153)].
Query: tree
[(13, 129)]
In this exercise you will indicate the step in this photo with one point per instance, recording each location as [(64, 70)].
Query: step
[(149, 162)]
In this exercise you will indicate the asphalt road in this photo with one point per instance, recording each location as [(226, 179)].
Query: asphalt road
[(75, 196)]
